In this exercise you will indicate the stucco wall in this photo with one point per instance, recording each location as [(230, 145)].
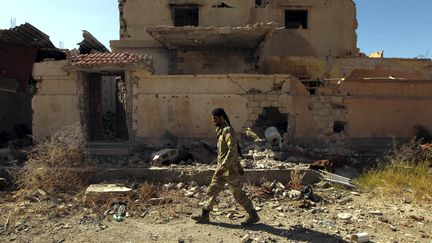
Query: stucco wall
[(55, 104), (387, 108)]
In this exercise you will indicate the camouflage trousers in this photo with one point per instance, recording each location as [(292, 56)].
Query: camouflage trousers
[(216, 186)]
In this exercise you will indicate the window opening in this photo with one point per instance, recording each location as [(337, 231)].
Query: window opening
[(295, 19), (185, 16)]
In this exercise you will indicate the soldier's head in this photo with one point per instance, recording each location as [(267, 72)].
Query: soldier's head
[(219, 116)]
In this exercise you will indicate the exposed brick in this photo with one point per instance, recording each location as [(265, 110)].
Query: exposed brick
[(257, 111), (265, 103), (253, 104), (259, 97), (337, 99), (275, 104), (272, 97)]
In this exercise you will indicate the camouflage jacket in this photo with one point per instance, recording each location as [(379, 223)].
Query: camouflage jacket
[(228, 157)]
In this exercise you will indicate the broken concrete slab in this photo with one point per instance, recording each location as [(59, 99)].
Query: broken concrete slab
[(105, 191), (164, 155)]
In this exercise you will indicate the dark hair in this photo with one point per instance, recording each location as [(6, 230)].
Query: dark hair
[(220, 112)]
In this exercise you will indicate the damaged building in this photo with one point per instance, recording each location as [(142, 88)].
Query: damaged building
[(290, 64), (20, 48)]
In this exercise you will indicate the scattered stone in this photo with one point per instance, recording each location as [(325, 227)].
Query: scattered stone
[(417, 218), (245, 238), (394, 228), (294, 194), (344, 215), (375, 212), (164, 155)]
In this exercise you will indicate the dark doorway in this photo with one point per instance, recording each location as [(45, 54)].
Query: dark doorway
[(295, 19), (107, 110), (185, 15)]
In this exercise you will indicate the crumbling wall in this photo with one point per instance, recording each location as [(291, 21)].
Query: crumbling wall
[(355, 67), (361, 112), (179, 107), (55, 104)]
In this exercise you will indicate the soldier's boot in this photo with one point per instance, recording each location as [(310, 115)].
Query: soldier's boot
[(202, 218), (252, 218)]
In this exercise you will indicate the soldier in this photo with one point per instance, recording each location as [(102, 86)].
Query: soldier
[(228, 171)]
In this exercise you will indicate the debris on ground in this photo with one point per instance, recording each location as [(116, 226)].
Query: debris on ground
[(104, 191)]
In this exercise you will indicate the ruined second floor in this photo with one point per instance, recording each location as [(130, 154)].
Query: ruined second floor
[(319, 28)]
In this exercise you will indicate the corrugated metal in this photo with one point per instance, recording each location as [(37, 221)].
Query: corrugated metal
[(26, 35)]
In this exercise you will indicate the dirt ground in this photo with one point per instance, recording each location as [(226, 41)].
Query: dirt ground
[(339, 214)]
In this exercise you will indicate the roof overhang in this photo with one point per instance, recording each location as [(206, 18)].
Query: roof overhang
[(189, 37)]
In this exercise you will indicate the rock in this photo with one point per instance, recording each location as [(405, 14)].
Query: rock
[(164, 155), (392, 227), (375, 212), (245, 238), (344, 215), (355, 193), (257, 157), (180, 185), (294, 194)]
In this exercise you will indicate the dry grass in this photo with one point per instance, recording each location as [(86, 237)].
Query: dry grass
[(296, 178), (55, 164), (404, 171)]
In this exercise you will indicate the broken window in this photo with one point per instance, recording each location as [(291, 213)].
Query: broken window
[(312, 85), (186, 15), (295, 19)]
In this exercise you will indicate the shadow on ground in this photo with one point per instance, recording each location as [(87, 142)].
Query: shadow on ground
[(296, 232)]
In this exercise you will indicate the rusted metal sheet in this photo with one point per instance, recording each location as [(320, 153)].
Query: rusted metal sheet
[(17, 63)]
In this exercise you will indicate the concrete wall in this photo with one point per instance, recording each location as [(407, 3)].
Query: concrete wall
[(55, 104), (166, 108), (330, 32), (180, 106)]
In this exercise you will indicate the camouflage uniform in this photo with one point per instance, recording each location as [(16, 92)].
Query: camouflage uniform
[(228, 162)]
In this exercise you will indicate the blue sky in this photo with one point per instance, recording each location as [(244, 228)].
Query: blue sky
[(401, 28)]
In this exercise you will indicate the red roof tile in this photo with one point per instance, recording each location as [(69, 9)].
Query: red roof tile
[(101, 59)]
